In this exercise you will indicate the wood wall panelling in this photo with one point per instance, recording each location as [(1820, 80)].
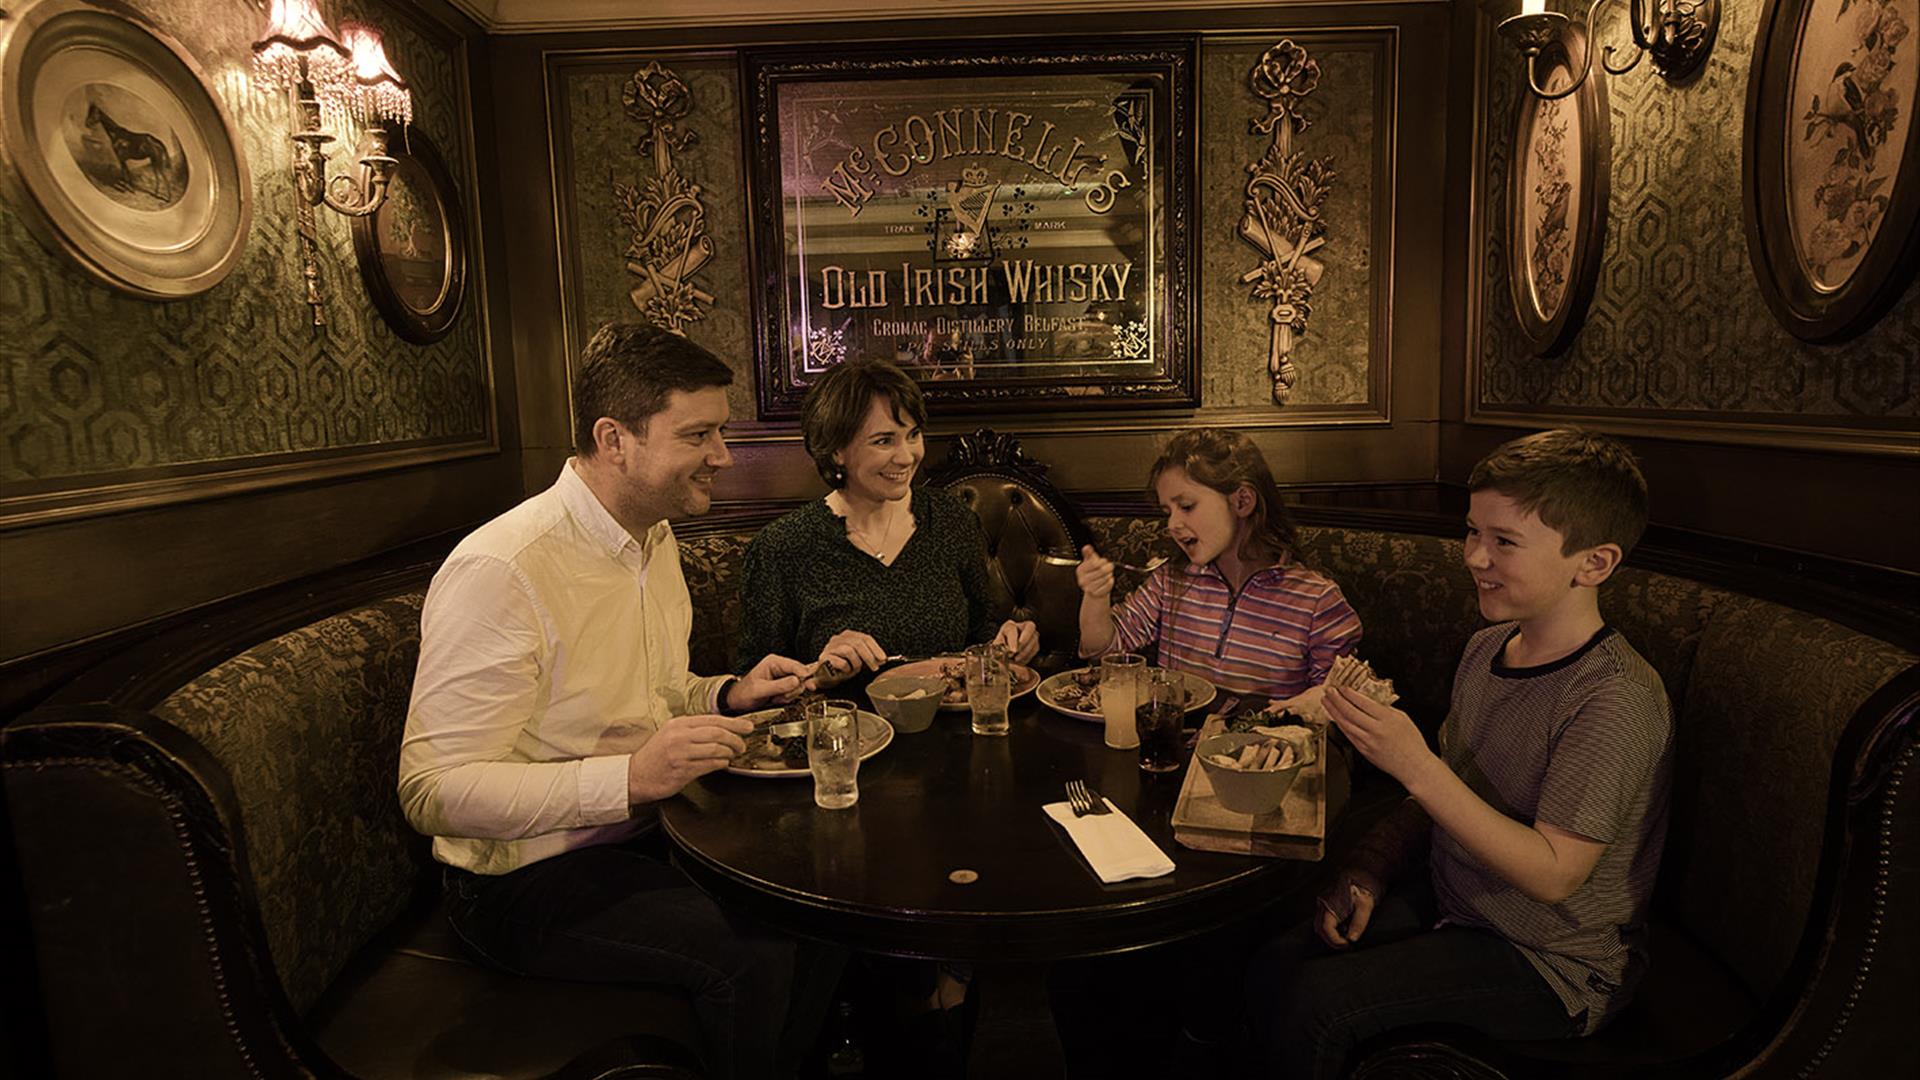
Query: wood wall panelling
[(119, 417)]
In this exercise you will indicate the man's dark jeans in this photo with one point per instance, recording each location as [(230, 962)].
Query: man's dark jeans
[(1311, 1006), (622, 913)]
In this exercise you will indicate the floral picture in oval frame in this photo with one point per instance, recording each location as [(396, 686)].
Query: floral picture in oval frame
[(1831, 162), (1557, 190)]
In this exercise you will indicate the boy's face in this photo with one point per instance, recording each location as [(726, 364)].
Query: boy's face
[(1515, 559)]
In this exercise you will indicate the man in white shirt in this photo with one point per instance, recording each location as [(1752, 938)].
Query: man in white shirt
[(552, 709)]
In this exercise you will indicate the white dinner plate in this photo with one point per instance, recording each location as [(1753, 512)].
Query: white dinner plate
[(1200, 694), (875, 734)]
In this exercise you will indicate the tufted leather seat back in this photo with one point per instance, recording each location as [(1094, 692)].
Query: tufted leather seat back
[(1021, 524)]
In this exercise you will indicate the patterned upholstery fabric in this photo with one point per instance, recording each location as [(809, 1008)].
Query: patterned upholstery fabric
[(308, 726), (1770, 692), (1755, 685), (711, 565)]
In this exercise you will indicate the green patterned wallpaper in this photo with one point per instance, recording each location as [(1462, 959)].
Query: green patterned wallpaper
[(600, 149), (1677, 328), (97, 384)]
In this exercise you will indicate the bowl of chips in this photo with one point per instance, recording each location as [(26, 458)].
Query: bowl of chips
[(1251, 772), (907, 701)]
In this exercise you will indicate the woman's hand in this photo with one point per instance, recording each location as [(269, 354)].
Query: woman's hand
[(1094, 575), (850, 651), (1020, 639)]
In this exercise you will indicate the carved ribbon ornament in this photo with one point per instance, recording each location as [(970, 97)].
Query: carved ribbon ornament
[(1282, 215)]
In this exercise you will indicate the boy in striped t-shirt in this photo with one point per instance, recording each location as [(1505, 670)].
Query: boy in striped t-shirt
[(1237, 609), (1541, 816)]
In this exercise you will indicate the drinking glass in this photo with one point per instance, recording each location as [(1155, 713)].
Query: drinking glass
[(1119, 694), (1162, 707), (833, 753), (989, 685)]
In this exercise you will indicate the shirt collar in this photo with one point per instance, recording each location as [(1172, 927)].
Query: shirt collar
[(594, 519), (1278, 568)]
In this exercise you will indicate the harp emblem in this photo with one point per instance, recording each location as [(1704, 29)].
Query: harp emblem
[(971, 198)]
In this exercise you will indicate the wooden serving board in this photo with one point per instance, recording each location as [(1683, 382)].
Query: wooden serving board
[(1297, 830)]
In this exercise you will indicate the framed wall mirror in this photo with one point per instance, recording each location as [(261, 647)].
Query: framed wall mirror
[(1012, 225)]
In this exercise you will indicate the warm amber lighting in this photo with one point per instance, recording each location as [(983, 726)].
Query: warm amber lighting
[(378, 92), (299, 54), (299, 46)]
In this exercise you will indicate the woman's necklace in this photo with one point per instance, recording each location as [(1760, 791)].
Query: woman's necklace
[(860, 539)]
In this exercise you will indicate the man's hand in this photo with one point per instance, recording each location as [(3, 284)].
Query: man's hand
[(1383, 733), (774, 679), (1020, 639), (1094, 575), (849, 651), (1346, 906), (685, 748)]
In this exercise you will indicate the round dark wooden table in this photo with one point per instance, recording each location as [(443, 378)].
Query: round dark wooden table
[(880, 876)]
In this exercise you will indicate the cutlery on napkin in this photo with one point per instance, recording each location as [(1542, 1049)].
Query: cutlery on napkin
[(1111, 843)]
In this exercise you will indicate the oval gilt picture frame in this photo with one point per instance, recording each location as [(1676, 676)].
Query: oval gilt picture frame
[(1557, 189), (413, 250), (117, 154), (1831, 162)]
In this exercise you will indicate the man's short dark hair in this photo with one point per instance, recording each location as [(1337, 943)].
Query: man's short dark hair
[(1583, 485), (626, 372), (837, 405)]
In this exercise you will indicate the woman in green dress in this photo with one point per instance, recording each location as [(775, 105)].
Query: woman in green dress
[(878, 567)]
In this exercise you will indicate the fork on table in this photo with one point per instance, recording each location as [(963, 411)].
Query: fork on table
[(1084, 800)]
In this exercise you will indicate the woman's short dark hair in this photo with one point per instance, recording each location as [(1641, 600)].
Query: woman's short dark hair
[(838, 403), (626, 372)]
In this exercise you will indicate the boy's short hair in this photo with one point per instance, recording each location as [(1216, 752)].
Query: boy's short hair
[(626, 372), (1585, 486)]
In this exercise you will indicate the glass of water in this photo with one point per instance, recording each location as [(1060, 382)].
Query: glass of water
[(833, 753), (989, 685)]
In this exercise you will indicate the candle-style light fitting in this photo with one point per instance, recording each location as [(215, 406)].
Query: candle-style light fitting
[(1678, 34), (330, 78)]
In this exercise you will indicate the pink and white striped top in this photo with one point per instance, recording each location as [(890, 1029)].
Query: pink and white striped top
[(1277, 636)]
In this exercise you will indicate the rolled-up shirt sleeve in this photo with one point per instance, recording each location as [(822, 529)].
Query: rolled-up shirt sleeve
[(463, 769)]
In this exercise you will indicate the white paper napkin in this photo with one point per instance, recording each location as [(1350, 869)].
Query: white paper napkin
[(1112, 843)]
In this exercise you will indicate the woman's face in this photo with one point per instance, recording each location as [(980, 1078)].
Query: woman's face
[(884, 453), (1201, 520)]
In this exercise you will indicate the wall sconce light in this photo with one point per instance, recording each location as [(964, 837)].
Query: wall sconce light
[(330, 76), (1678, 34)]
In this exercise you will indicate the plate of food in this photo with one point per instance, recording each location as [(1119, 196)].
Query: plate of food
[(952, 669), (1077, 693), (777, 746)]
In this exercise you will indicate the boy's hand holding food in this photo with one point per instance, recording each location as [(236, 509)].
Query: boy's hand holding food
[(1385, 735), (1346, 906)]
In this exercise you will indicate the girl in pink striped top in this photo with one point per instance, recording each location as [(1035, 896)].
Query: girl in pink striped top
[(1236, 607)]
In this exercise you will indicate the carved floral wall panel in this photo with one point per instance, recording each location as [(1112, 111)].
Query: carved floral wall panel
[(97, 387), (613, 189), (1341, 357), (1677, 332)]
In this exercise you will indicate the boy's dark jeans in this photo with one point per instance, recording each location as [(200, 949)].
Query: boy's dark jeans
[(622, 913), (1311, 1006)]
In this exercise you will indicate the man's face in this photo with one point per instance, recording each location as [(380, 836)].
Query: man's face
[(669, 472), (1518, 570)]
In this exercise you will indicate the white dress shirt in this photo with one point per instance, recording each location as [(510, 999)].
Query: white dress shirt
[(553, 645)]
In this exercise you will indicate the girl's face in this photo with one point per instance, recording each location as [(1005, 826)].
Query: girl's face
[(884, 454), (1202, 521)]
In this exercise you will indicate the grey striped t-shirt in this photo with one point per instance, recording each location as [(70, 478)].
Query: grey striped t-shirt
[(1584, 744)]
